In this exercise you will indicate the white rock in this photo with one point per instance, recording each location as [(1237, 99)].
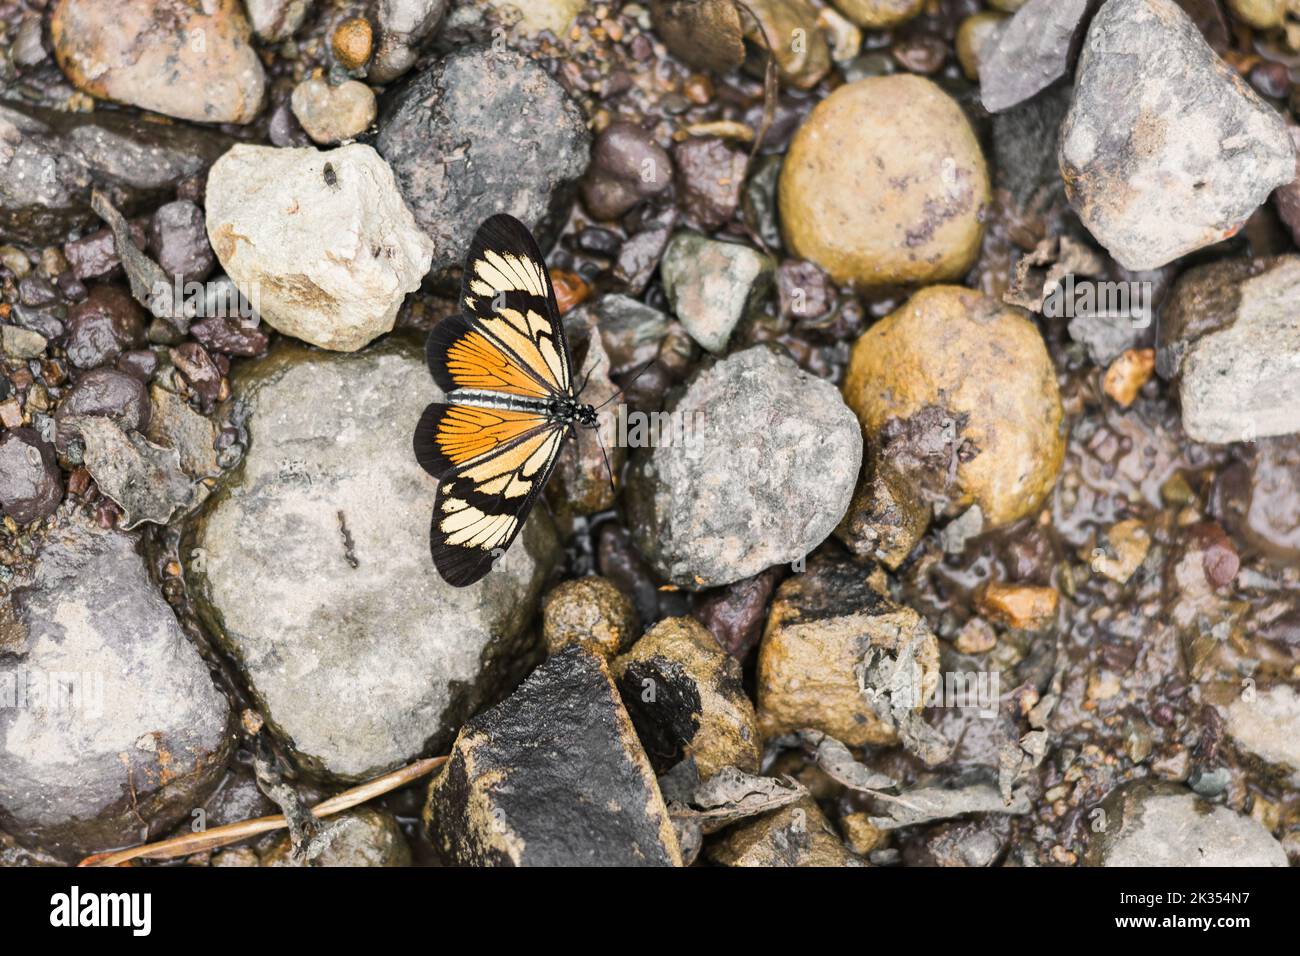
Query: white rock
[(320, 242)]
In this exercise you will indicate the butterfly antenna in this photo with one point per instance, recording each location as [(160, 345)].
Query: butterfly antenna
[(627, 386), (604, 454)]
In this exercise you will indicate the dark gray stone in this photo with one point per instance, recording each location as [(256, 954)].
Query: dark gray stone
[(483, 131), (552, 776), (31, 485), (50, 162)]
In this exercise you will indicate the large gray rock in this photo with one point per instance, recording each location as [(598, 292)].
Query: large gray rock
[(312, 567), (758, 469), (480, 132), (552, 776), (1230, 336), (320, 242), (138, 736), (1165, 148), (50, 161), (1156, 825)]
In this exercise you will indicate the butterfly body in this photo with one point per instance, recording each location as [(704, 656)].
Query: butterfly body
[(504, 369)]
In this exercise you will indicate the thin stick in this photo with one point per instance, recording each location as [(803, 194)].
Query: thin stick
[(234, 832)]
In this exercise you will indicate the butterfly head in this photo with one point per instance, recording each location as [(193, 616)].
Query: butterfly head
[(586, 415)]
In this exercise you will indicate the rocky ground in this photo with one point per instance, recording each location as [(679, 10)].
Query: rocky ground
[(939, 567)]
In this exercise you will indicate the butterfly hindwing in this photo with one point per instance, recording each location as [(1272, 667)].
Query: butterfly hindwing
[(507, 292), (495, 469)]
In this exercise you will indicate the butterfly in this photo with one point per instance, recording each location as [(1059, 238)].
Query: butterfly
[(504, 368)]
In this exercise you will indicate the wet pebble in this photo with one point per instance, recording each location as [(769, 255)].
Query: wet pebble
[(107, 392), (229, 336), (31, 485), (735, 615), (627, 166), (105, 324), (711, 174), (178, 241)]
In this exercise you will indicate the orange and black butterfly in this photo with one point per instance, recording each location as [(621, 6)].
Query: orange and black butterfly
[(505, 371)]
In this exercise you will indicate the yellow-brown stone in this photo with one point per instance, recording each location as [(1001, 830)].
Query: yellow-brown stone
[(885, 183), (821, 627), (984, 367), (590, 611)]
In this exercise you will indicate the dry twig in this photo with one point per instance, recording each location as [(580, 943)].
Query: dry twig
[(234, 832)]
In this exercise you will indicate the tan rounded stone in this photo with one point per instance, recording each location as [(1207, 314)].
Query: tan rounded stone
[(352, 42), (884, 183), (879, 13), (1260, 14), (974, 32), (590, 611), (331, 114), (979, 371), (188, 60)]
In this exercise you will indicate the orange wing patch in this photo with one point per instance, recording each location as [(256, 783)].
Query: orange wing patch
[(466, 431), (475, 362)]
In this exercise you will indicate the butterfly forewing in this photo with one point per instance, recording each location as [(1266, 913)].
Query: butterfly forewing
[(507, 291), (495, 441)]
